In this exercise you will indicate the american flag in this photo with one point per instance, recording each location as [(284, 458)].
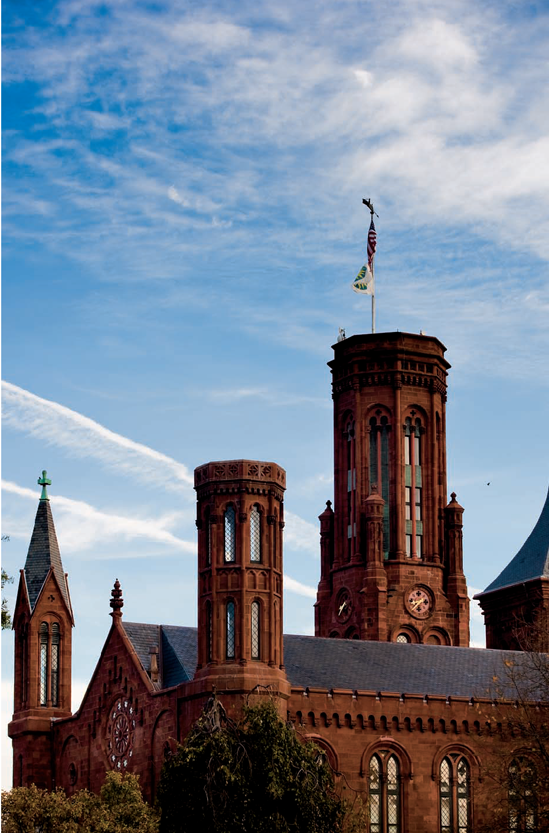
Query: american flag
[(372, 240)]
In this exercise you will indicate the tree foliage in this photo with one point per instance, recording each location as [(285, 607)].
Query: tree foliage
[(6, 616), (120, 808), (253, 775)]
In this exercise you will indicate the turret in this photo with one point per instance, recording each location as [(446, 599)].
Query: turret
[(240, 519), (43, 622)]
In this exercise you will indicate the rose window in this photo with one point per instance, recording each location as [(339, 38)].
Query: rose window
[(120, 734)]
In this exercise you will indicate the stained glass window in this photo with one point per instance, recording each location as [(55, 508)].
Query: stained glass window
[(55, 638), (255, 630), (455, 801), (230, 534), (384, 793), (230, 630), (44, 637), (255, 535)]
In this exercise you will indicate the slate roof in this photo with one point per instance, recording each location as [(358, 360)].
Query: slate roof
[(177, 648), (314, 662), (532, 560), (44, 553)]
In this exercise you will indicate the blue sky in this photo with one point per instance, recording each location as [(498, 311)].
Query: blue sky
[(182, 191)]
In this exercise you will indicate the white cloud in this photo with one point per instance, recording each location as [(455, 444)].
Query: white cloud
[(81, 526), (301, 535), (83, 437), (294, 586)]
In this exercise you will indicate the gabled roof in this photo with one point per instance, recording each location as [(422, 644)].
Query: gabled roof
[(532, 560), (177, 648), (44, 555), (318, 663)]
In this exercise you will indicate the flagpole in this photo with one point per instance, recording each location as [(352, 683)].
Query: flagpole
[(373, 300)]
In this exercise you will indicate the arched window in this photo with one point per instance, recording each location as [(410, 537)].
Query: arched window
[(384, 793), (522, 796), (230, 534), (44, 639), (209, 633), (55, 639), (229, 642), (455, 795), (379, 469), (413, 486), (403, 637), (255, 535), (255, 630), (351, 488), (208, 539)]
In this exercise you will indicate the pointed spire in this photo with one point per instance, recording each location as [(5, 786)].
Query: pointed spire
[(532, 560), (43, 554), (117, 602)]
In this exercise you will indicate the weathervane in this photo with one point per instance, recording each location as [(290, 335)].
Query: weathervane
[(370, 205)]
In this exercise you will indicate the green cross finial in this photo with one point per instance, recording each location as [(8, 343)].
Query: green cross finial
[(43, 481)]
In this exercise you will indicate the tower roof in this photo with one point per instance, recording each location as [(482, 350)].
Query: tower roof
[(44, 555), (532, 560)]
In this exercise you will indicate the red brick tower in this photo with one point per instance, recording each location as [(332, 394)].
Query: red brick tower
[(516, 603), (391, 550), (43, 624), (240, 518)]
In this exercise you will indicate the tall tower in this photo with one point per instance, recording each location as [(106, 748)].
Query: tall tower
[(43, 624), (391, 549), (516, 603), (240, 517)]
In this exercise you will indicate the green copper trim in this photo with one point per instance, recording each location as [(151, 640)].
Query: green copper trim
[(43, 481)]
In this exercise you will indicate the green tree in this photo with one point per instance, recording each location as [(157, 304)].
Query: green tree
[(253, 775), (120, 808), (6, 616)]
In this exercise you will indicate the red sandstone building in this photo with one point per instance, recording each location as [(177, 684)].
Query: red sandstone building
[(388, 687)]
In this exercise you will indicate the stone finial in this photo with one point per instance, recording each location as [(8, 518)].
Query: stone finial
[(117, 602), (43, 481)]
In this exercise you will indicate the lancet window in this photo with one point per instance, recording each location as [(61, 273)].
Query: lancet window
[(229, 520), (522, 796), (255, 630), (255, 535), (455, 795), (49, 663), (385, 805), (230, 634), (379, 469), (351, 488), (413, 442)]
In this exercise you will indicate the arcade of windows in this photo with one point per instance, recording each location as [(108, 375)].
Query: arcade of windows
[(50, 644), (229, 536), (385, 806)]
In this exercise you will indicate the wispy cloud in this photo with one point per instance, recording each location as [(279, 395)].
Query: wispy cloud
[(81, 526), (301, 535), (272, 397), (83, 437), (294, 586)]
